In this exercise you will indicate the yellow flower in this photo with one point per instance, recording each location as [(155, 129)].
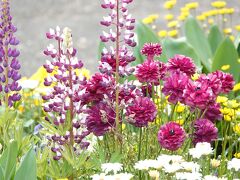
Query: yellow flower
[(180, 121), (232, 38), (236, 87), (185, 9), (181, 17), (180, 108), (172, 24), (225, 67), (232, 104), (21, 108), (237, 27), (215, 163), (201, 17), (192, 5), (186, 14), (169, 17), (218, 4), (162, 33), (237, 155), (147, 20), (236, 129), (169, 4), (173, 33), (195, 77), (154, 16), (227, 31), (222, 99), (83, 72), (210, 21), (230, 11)]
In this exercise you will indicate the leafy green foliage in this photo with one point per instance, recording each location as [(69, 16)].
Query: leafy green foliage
[(196, 37), (226, 54), (215, 37)]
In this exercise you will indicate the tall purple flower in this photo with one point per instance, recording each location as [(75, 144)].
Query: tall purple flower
[(9, 64), (63, 99), (174, 85), (141, 111), (204, 131), (181, 63), (171, 136)]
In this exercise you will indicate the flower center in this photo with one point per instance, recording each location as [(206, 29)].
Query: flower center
[(171, 132)]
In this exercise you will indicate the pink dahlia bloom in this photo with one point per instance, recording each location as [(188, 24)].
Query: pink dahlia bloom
[(198, 95), (149, 72), (97, 86), (213, 112), (204, 131), (100, 118), (174, 86), (181, 63), (213, 82), (162, 69), (151, 49), (227, 81), (141, 111), (171, 136)]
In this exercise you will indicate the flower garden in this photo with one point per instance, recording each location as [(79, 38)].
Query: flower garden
[(164, 104)]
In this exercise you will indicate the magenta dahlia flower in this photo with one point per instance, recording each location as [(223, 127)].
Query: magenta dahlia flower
[(181, 63), (174, 86), (204, 131), (213, 112), (227, 81), (151, 49), (198, 95), (100, 118), (141, 111), (149, 72), (171, 136)]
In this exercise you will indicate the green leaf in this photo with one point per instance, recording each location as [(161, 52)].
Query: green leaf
[(215, 37), (8, 160), (1, 172), (180, 46), (226, 54), (145, 35), (27, 168), (196, 37), (237, 44)]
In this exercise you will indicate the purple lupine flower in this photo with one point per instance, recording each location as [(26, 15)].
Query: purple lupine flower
[(204, 131), (63, 99), (171, 136), (9, 64)]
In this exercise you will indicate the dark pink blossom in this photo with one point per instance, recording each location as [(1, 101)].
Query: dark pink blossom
[(171, 136), (100, 118), (213, 112), (174, 86), (204, 131), (141, 111), (148, 72), (227, 81), (181, 63), (151, 49), (198, 95)]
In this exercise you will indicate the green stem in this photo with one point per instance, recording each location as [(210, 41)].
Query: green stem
[(140, 144)]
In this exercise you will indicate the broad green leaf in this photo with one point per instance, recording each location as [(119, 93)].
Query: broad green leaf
[(237, 44), (226, 54), (196, 37), (145, 35), (1, 172), (8, 160), (180, 46), (215, 37), (27, 168)]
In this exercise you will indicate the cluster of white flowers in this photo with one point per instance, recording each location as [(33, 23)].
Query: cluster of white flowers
[(111, 167), (188, 176), (210, 177), (234, 164), (120, 176), (201, 149)]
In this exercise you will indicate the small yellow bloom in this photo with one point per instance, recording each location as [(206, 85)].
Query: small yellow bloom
[(123, 126), (169, 17), (233, 104), (222, 99), (162, 33), (210, 21), (169, 4), (154, 16), (230, 11), (154, 174), (201, 17), (186, 14), (237, 27), (173, 24), (195, 77), (215, 163), (180, 108), (227, 118), (227, 31), (180, 121), (21, 108), (236, 129), (218, 4), (173, 33), (192, 5), (147, 20), (181, 17), (185, 9), (237, 155), (232, 38), (236, 87), (225, 67)]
